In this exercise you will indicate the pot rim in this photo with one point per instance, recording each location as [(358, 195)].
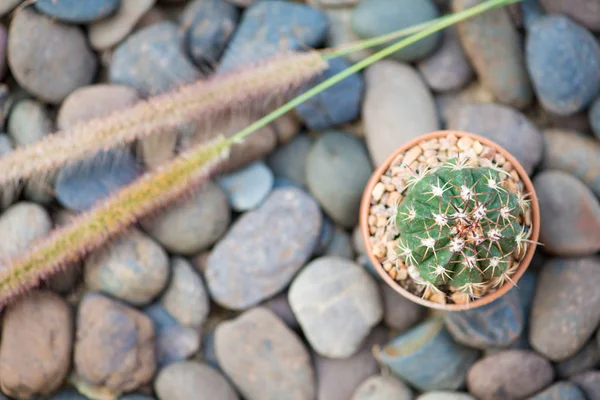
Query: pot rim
[(523, 265)]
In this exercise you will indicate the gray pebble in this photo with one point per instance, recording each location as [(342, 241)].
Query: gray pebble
[(28, 122), (248, 187), (192, 380), (594, 117), (341, 245), (589, 383), (382, 388), (8, 193), (560, 390), (281, 307), (587, 358), (3, 43), (288, 161), (21, 225), (445, 395), (7, 5), (399, 313)]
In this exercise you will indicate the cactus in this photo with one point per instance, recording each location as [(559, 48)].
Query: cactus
[(460, 228)]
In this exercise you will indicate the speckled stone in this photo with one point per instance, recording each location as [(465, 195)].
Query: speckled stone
[(497, 324), (494, 48), (427, 358), (584, 12), (264, 358), (510, 374), (76, 11), (382, 388), (504, 125), (22, 224), (574, 153), (560, 391), (571, 220), (192, 380), (47, 58), (589, 383), (135, 64), (264, 249), (331, 295), (566, 307), (563, 60), (586, 358), (288, 161)]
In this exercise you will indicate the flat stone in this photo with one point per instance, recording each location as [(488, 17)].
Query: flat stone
[(248, 187), (510, 374), (189, 379), (494, 48), (504, 125), (263, 250), (337, 303), (337, 170), (21, 225), (78, 12), (566, 308), (571, 81), (589, 383), (35, 327), (288, 161), (427, 358), (584, 12), (264, 358), (47, 58), (586, 358), (192, 224), (397, 108), (382, 388), (572, 220), (134, 269), (560, 390), (400, 313)]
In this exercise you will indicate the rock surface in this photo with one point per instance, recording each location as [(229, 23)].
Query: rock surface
[(382, 388), (589, 383), (585, 12), (400, 313), (78, 12), (192, 380), (248, 187), (288, 161), (560, 390)]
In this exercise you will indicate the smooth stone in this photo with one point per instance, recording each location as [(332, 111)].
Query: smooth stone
[(35, 354), (589, 383), (494, 48), (208, 26), (134, 61), (382, 388), (338, 379), (584, 12), (340, 245), (280, 306), (48, 59), (448, 67), (3, 44), (510, 374), (288, 161), (94, 101), (248, 187), (566, 307), (377, 17), (427, 358), (332, 3), (134, 269), (269, 27), (68, 393), (7, 5), (399, 313), (504, 125), (28, 122), (21, 225), (337, 304), (337, 170), (77, 11), (192, 380), (594, 117), (264, 358), (108, 32), (81, 185), (563, 60), (263, 249), (337, 105), (560, 390), (397, 108), (192, 224), (126, 361), (445, 395), (572, 219), (8, 193), (185, 297), (325, 237), (341, 33), (497, 324), (574, 153), (586, 358)]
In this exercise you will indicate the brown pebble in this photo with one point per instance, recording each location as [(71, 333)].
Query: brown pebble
[(392, 272), (412, 155), (379, 250), (378, 191), (464, 143)]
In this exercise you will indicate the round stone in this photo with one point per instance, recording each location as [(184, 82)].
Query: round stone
[(332, 295), (288, 161), (337, 170), (399, 313), (28, 122), (280, 306), (572, 220), (192, 380), (584, 12), (586, 358), (185, 297), (193, 224), (382, 388), (589, 383), (445, 395), (563, 60), (248, 187), (35, 327), (264, 249), (264, 358), (47, 58), (510, 374), (560, 390), (134, 268), (566, 307), (21, 225), (76, 11)]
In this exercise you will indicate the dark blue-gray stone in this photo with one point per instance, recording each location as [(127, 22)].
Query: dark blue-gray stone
[(68, 393), (325, 237), (282, 183), (77, 11), (427, 358), (208, 25), (586, 358), (288, 160), (270, 27), (153, 60), (80, 186), (336, 105), (341, 245), (136, 396), (377, 17), (563, 60), (560, 391), (209, 354), (589, 382), (594, 117)]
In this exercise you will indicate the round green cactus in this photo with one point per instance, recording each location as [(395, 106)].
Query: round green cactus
[(458, 227)]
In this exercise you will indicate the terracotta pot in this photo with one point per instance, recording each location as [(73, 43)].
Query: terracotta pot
[(535, 216)]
